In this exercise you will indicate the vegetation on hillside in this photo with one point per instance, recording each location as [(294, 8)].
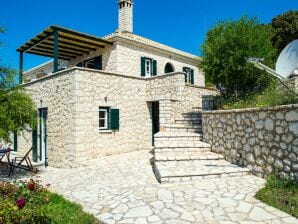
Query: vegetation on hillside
[(281, 194), (16, 107), (285, 29), (225, 52)]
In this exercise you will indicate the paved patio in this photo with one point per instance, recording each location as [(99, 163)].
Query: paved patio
[(123, 189)]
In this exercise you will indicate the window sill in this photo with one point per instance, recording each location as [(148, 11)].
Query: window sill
[(105, 131)]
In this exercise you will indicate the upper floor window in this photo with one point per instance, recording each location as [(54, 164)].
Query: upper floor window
[(169, 68), (93, 63), (148, 67), (189, 75)]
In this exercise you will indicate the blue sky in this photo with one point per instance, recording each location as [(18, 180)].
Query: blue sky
[(181, 24)]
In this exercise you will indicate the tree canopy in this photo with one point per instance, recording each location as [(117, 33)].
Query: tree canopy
[(285, 29), (225, 52), (16, 107)]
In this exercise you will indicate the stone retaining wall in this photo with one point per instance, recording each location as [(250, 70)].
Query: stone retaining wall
[(264, 140)]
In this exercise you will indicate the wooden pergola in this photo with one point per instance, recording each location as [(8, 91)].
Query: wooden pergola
[(60, 43)]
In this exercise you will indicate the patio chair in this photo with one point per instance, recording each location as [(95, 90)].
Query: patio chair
[(22, 163), (4, 152)]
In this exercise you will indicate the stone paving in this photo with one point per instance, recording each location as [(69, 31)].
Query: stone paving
[(123, 189)]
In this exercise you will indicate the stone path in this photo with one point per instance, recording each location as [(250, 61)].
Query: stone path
[(123, 189)]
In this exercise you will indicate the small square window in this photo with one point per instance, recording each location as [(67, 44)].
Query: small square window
[(104, 118)]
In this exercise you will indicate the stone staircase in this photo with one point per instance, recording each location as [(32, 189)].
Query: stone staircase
[(181, 155)]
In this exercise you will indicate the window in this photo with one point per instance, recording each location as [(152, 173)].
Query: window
[(103, 118), (93, 63), (169, 68), (148, 67), (108, 118), (189, 75)]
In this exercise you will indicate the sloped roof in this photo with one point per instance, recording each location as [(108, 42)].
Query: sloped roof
[(148, 42)]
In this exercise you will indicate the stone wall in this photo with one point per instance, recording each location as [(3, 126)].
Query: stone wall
[(96, 89), (73, 98), (264, 140), (293, 83), (54, 93), (129, 61)]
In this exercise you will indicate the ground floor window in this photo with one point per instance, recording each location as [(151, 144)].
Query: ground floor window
[(103, 118), (108, 118)]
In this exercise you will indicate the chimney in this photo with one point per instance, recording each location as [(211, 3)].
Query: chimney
[(125, 15)]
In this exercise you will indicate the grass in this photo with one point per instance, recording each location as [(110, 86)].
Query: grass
[(28, 202), (271, 96), (61, 211), (281, 194)]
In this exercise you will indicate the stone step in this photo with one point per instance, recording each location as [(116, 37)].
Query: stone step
[(169, 134), (183, 128), (176, 171), (179, 144), (194, 150), (188, 122), (187, 155), (192, 115)]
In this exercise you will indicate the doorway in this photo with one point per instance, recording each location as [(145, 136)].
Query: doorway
[(42, 135), (155, 119)]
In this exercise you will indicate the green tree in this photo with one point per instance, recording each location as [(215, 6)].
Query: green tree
[(226, 49), (16, 107), (285, 29)]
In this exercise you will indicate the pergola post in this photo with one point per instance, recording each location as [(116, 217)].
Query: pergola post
[(56, 51), (21, 65)]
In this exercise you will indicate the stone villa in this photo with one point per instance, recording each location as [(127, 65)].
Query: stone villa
[(101, 96)]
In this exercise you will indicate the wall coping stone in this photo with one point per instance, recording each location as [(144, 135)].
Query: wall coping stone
[(282, 107)]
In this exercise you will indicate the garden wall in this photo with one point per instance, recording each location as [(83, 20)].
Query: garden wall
[(264, 140)]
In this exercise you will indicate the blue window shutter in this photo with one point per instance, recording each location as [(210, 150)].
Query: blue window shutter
[(185, 75), (154, 67), (192, 78), (98, 62), (114, 119), (143, 69)]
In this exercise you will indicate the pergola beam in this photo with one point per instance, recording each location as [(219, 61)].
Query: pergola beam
[(56, 51), (21, 67)]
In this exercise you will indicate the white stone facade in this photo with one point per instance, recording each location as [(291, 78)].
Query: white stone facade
[(73, 98)]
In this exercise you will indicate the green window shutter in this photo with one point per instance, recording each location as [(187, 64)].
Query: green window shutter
[(154, 67), (98, 62), (34, 144), (34, 139), (80, 64), (15, 141), (114, 119), (185, 75), (192, 78), (143, 71)]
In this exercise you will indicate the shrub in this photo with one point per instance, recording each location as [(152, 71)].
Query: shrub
[(273, 95)]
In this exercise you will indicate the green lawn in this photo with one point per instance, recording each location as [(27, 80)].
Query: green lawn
[(281, 194), (29, 203)]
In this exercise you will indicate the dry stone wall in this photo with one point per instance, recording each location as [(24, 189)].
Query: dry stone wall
[(264, 140)]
